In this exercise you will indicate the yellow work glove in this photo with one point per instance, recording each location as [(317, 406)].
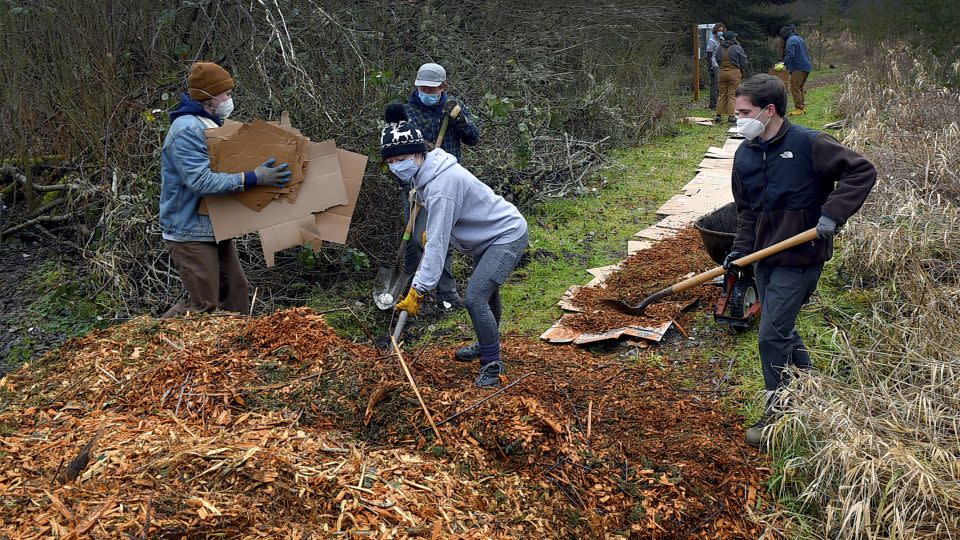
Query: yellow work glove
[(779, 66), (411, 304), (423, 239)]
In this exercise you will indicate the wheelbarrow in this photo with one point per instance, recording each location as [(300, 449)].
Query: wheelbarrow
[(739, 305)]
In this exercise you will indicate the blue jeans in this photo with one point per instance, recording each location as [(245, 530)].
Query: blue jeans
[(483, 290)]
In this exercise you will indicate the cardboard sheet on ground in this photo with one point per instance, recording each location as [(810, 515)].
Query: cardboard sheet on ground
[(331, 225), (560, 334), (322, 188)]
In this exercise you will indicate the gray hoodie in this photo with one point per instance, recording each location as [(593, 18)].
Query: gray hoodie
[(461, 211)]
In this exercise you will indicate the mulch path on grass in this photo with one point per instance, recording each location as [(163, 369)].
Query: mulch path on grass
[(645, 272)]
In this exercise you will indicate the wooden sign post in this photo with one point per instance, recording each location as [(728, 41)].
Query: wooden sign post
[(696, 63)]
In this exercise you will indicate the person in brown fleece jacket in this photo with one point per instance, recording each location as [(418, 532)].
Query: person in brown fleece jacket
[(787, 179)]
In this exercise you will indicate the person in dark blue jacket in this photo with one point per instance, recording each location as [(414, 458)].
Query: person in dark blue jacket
[(787, 179), (796, 60), (210, 270), (428, 106)]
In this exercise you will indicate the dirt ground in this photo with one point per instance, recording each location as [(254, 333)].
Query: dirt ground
[(276, 427)]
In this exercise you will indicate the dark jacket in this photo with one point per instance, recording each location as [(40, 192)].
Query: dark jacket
[(429, 120), (738, 57), (783, 186), (795, 55)]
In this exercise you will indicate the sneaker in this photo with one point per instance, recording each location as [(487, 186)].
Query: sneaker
[(798, 112), (469, 353), (490, 375), (754, 434)]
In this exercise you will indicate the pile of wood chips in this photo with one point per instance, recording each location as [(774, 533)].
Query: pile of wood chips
[(275, 427)]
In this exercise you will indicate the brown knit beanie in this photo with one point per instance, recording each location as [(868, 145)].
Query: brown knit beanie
[(207, 80)]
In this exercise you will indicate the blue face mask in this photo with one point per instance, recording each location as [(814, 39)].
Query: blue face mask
[(429, 99), (405, 170)]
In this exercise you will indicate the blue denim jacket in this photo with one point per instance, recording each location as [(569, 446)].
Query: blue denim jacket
[(186, 176)]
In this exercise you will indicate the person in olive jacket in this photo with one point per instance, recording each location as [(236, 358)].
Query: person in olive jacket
[(787, 179)]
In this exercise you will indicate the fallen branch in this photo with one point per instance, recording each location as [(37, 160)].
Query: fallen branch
[(484, 400)]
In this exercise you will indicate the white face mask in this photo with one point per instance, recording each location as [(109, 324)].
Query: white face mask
[(405, 170), (224, 109), (751, 128)]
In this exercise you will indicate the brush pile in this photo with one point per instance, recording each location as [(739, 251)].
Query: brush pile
[(276, 427)]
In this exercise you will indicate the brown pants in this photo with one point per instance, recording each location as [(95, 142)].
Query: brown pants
[(212, 276), (729, 81), (797, 80)]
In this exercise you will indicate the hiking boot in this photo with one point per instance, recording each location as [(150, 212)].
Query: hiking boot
[(798, 112), (731, 119), (490, 374), (754, 434), (469, 353), (717, 119)]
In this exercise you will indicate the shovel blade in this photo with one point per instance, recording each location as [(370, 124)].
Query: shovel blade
[(388, 287)]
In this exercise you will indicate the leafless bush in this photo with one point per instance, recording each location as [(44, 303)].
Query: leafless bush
[(553, 85), (872, 442)]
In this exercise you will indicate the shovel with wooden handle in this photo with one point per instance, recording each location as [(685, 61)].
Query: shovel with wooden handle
[(454, 113), (390, 280), (704, 277)]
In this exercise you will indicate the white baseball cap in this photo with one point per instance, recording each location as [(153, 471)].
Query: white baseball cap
[(431, 75)]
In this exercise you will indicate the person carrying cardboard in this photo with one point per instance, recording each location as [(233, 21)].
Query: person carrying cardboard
[(210, 270), (787, 179), (466, 214), (796, 60), (428, 106)]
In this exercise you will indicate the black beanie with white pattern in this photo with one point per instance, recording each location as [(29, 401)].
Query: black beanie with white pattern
[(400, 136)]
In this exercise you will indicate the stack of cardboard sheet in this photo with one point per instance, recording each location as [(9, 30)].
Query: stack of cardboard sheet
[(316, 205)]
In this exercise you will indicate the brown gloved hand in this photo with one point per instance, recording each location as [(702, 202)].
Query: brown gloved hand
[(411, 304)]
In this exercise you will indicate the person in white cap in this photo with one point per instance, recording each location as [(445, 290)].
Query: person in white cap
[(428, 105)]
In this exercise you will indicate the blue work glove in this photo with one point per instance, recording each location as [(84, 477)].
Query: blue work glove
[(826, 228), (267, 175)]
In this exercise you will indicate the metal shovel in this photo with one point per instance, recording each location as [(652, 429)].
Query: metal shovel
[(391, 280), (638, 309)]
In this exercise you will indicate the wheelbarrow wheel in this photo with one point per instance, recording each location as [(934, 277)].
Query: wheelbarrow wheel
[(743, 296)]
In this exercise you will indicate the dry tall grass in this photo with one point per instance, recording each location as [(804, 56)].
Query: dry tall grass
[(872, 445)]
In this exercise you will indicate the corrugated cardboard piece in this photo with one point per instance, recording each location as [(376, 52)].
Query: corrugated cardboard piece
[(331, 225), (316, 205)]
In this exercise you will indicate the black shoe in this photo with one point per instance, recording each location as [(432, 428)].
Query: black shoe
[(732, 120), (469, 353), (490, 375), (717, 119), (755, 434)]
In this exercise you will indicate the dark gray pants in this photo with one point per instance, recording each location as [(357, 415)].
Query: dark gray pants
[(714, 85), (783, 290), (447, 286), (212, 276), (483, 290)]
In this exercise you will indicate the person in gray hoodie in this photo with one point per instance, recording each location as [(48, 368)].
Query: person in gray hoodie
[(466, 214)]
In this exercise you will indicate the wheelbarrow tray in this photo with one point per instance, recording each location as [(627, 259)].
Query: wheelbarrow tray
[(718, 230)]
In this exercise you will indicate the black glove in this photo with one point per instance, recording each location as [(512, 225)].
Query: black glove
[(449, 105), (826, 228), (272, 176), (728, 261)]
